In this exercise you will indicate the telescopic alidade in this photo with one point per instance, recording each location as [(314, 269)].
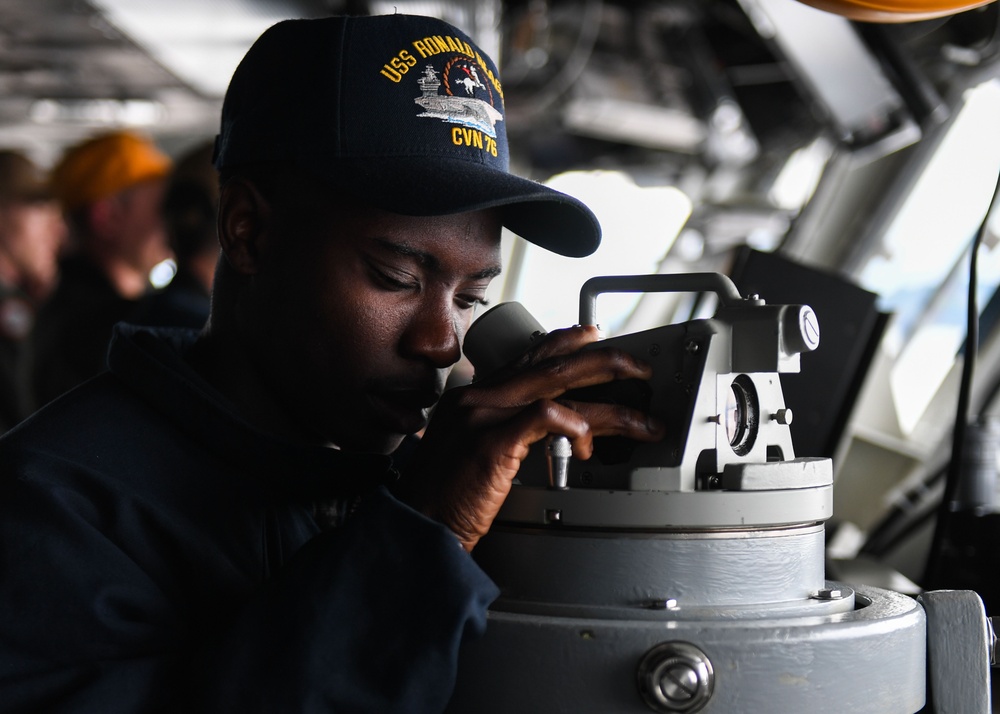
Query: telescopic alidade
[(688, 575)]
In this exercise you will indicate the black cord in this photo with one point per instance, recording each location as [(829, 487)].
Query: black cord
[(932, 570)]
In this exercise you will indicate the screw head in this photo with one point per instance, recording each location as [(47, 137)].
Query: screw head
[(679, 683), (675, 677)]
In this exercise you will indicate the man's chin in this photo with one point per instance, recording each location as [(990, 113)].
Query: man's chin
[(372, 443), (383, 429)]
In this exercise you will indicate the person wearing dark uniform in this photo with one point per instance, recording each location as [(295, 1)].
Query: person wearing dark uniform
[(32, 233), (219, 523)]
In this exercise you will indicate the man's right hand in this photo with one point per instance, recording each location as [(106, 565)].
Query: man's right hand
[(479, 434)]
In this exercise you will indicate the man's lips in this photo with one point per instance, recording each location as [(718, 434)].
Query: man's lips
[(418, 398), (405, 410)]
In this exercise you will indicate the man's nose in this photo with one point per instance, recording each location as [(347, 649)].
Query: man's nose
[(435, 334)]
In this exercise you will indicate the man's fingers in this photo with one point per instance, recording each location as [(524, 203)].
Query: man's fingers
[(560, 342), (554, 376), (580, 422), (618, 420)]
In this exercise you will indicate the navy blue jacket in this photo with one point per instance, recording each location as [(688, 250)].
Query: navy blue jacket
[(157, 554)]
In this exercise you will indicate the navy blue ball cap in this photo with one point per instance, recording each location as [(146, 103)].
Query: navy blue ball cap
[(403, 112)]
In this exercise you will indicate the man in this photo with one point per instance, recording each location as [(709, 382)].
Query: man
[(210, 527), (190, 206), (31, 234), (110, 187)]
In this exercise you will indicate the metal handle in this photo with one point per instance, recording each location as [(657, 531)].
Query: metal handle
[(717, 283)]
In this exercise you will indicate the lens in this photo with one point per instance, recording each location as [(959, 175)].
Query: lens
[(735, 415), (742, 415)]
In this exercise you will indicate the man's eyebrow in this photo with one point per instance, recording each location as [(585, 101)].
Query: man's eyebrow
[(431, 262)]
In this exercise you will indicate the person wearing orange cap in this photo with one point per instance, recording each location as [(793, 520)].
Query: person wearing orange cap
[(31, 234), (110, 188)]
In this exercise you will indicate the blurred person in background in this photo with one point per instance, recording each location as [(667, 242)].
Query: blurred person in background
[(111, 190), (189, 212), (32, 233)]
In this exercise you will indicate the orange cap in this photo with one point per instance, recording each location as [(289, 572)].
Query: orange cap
[(887, 11), (104, 165)]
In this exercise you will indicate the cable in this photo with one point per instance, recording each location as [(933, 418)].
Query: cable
[(954, 474)]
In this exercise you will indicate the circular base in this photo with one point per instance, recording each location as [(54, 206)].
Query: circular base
[(870, 660)]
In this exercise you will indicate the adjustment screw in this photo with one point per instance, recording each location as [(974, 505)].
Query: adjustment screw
[(783, 416)]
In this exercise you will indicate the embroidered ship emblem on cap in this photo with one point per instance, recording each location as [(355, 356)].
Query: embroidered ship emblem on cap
[(463, 102)]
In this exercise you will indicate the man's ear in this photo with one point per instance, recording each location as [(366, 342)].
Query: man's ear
[(244, 215)]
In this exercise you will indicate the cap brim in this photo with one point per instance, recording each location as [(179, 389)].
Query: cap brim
[(537, 213)]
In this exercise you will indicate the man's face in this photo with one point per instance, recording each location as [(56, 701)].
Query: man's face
[(360, 314), (32, 235), (140, 231)]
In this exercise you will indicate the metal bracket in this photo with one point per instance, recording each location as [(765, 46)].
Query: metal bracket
[(959, 646)]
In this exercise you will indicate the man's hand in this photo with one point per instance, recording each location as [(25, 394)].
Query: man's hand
[(479, 434)]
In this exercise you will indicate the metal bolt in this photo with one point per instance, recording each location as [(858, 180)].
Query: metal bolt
[(692, 347), (675, 677), (654, 350), (553, 515), (829, 594), (662, 604)]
